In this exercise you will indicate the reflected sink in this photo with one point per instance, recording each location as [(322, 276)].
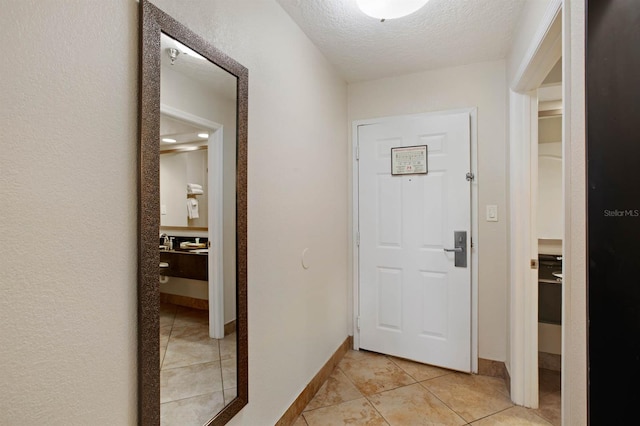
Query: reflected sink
[(199, 251)]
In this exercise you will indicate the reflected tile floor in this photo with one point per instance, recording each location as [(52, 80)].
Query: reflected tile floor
[(197, 373), (367, 388)]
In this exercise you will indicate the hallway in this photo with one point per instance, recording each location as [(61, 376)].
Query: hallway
[(372, 389)]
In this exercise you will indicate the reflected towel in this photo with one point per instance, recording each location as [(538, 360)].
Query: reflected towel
[(192, 208), (195, 191), (192, 186)]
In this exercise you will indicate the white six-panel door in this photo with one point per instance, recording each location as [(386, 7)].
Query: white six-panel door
[(413, 301)]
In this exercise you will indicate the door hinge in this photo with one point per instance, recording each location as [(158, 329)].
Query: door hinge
[(534, 263), (471, 239), (358, 323), (470, 176), (358, 238)]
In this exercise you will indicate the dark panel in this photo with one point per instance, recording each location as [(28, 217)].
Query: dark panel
[(613, 155), (185, 265)]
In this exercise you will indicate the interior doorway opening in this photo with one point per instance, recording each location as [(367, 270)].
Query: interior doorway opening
[(529, 88)]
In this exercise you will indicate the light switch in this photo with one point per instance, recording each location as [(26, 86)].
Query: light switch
[(492, 213), (163, 209)]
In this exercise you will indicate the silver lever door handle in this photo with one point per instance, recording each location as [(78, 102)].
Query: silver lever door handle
[(460, 249)]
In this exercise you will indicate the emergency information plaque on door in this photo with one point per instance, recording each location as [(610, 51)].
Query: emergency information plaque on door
[(409, 160)]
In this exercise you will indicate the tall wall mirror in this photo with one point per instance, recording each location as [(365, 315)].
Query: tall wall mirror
[(192, 315)]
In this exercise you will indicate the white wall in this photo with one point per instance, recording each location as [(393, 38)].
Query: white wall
[(68, 222), (174, 171), (550, 223), (528, 24), (297, 196), (478, 85)]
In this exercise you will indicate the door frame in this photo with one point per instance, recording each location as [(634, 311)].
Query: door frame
[(544, 51), (473, 116), (215, 162)]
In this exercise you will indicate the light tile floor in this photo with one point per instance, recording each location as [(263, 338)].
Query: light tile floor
[(197, 373), (372, 389)]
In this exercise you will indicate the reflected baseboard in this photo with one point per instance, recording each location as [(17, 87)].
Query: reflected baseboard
[(192, 302), (230, 327), (294, 411), (550, 361), (186, 301)]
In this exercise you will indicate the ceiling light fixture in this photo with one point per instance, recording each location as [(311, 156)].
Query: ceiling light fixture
[(203, 135), (169, 140), (173, 54), (389, 9)]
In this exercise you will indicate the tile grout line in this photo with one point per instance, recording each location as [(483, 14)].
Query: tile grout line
[(423, 385), (439, 399), (418, 382), (366, 397), (427, 389), (189, 397), (173, 321), (175, 315)]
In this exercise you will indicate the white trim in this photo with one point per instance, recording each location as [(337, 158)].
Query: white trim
[(355, 240), (185, 116), (215, 216), (552, 92), (575, 260), (530, 330), (215, 232), (543, 53), (518, 207), (475, 226), (473, 116)]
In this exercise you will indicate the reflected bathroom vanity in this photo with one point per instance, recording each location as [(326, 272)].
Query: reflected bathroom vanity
[(190, 263), (192, 315)]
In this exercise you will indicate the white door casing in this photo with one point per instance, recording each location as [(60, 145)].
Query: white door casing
[(413, 302), (215, 215), (215, 233)]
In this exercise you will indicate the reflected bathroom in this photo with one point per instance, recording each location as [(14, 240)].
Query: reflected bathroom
[(550, 222), (198, 351)]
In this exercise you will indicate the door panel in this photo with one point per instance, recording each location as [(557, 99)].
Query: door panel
[(613, 211), (414, 303)]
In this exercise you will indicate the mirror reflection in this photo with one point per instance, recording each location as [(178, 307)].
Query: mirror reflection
[(183, 164), (197, 237)]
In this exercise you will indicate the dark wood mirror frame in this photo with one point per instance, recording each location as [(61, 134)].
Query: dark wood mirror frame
[(153, 22)]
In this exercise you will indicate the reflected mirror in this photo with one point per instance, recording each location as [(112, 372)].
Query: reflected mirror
[(192, 256)]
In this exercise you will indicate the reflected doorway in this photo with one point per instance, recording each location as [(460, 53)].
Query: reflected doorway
[(197, 168)]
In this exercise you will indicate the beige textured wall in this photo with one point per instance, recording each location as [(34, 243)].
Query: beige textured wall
[(68, 200), (68, 212), (483, 86)]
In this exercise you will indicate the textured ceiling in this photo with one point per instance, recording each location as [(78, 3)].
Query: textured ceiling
[(443, 33)]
